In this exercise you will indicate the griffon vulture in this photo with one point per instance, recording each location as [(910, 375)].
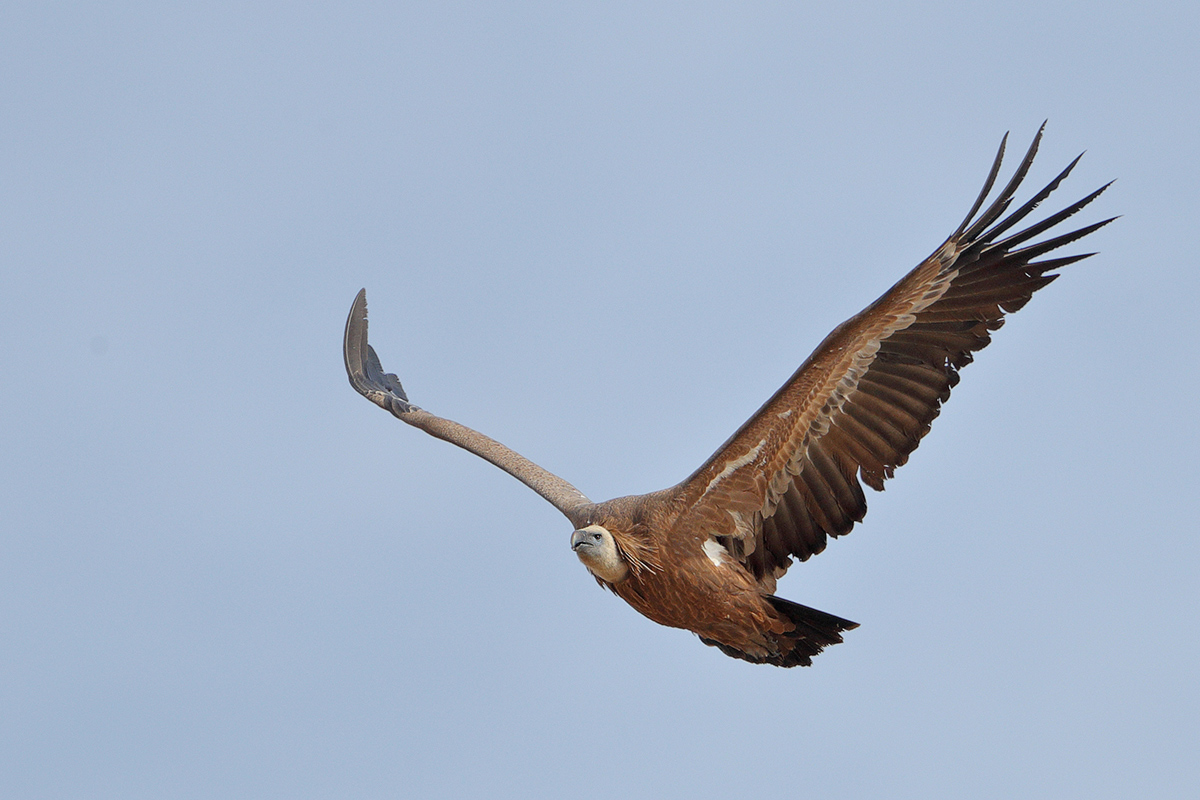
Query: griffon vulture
[(705, 554)]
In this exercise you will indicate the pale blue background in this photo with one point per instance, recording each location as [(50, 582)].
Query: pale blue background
[(603, 235)]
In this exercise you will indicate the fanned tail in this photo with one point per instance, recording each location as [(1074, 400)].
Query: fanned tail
[(814, 631)]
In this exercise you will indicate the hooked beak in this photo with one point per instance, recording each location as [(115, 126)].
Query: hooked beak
[(580, 539)]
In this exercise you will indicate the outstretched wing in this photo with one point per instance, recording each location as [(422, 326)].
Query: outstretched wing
[(792, 475), (384, 390)]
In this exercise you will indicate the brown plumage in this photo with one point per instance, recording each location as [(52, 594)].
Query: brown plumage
[(705, 555)]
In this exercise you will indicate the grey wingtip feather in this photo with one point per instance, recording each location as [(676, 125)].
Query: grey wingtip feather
[(352, 342), (362, 364)]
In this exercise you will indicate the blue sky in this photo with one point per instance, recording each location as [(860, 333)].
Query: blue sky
[(602, 235)]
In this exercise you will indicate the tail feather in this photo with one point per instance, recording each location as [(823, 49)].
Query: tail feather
[(814, 631), (814, 623)]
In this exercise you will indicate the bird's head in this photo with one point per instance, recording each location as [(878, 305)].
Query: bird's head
[(598, 551)]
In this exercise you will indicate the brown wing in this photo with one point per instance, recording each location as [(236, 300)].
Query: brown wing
[(855, 410), (384, 390)]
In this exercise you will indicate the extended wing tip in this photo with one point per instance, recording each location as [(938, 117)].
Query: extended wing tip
[(354, 344), (359, 307), (362, 364)]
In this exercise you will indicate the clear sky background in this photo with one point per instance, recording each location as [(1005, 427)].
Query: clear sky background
[(603, 235)]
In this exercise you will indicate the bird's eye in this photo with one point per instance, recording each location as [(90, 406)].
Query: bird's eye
[(596, 536)]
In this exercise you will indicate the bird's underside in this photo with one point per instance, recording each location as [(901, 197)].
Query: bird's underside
[(705, 554)]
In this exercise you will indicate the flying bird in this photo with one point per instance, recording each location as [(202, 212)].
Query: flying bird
[(705, 554)]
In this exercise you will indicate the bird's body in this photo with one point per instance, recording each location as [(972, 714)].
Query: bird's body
[(704, 589), (705, 554)]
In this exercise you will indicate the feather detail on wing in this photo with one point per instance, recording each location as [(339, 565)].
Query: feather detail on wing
[(853, 412)]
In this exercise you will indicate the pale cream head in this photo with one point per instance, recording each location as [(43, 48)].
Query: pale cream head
[(598, 551)]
